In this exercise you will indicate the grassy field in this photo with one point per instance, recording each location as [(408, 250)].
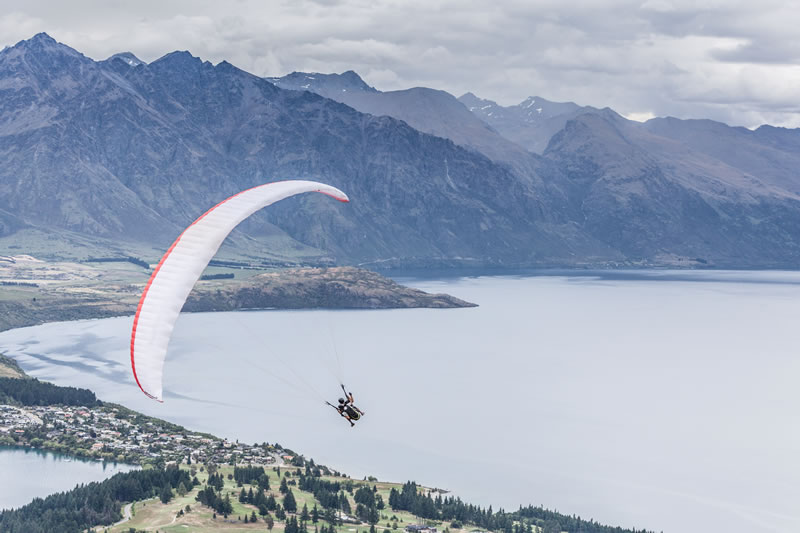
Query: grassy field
[(152, 515), (7, 372), (9, 368), (69, 290)]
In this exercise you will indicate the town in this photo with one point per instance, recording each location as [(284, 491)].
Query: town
[(113, 433)]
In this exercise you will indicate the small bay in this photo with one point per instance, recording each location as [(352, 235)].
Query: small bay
[(29, 474)]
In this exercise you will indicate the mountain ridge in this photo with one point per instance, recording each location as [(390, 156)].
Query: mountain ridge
[(157, 138), (132, 153)]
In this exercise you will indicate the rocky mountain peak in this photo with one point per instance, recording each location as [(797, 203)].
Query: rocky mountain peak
[(128, 58), (474, 102), (42, 48), (178, 57), (356, 81), (323, 84), (40, 41)]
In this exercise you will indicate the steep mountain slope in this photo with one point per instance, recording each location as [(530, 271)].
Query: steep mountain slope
[(768, 158), (138, 151), (428, 110), (654, 196), (121, 155)]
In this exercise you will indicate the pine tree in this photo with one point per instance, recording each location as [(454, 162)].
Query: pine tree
[(373, 516), (271, 503), (330, 516), (166, 493), (227, 506), (289, 503), (315, 514), (344, 503), (304, 515), (284, 487)]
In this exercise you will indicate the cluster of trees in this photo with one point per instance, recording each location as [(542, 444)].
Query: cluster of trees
[(87, 506), (130, 259), (295, 526), (215, 480), (368, 504), (328, 493), (34, 392), (250, 475), (207, 277), (259, 499), (221, 263), (453, 510), (253, 519), (555, 521), (409, 498), (211, 498)]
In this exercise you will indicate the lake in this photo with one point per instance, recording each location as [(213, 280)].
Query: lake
[(28, 474), (657, 399)]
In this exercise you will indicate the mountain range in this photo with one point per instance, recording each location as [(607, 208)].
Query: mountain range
[(119, 155)]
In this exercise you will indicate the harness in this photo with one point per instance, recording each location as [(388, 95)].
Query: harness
[(352, 413)]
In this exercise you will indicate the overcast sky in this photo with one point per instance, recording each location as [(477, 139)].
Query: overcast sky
[(734, 61)]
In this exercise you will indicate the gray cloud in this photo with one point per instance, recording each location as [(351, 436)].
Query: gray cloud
[(728, 60)]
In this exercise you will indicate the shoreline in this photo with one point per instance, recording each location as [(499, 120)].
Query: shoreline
[(45, 293)]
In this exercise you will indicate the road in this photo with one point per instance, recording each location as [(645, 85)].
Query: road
[(126, 514)]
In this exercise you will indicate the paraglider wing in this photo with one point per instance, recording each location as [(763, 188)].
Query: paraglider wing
[(181, 267)]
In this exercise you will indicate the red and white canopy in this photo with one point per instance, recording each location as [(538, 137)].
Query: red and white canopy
[(183, 264)]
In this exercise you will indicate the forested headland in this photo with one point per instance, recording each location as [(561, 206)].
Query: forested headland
[(308, 498), (34, 392)]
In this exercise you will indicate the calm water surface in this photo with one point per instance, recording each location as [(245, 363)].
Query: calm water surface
[(28, 474), (659, 400)]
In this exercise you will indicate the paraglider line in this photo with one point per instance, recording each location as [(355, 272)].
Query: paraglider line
[(308, 386), (340, 373)]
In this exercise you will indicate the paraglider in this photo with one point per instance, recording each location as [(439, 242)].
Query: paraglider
[(347, 408), (181, 267)]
